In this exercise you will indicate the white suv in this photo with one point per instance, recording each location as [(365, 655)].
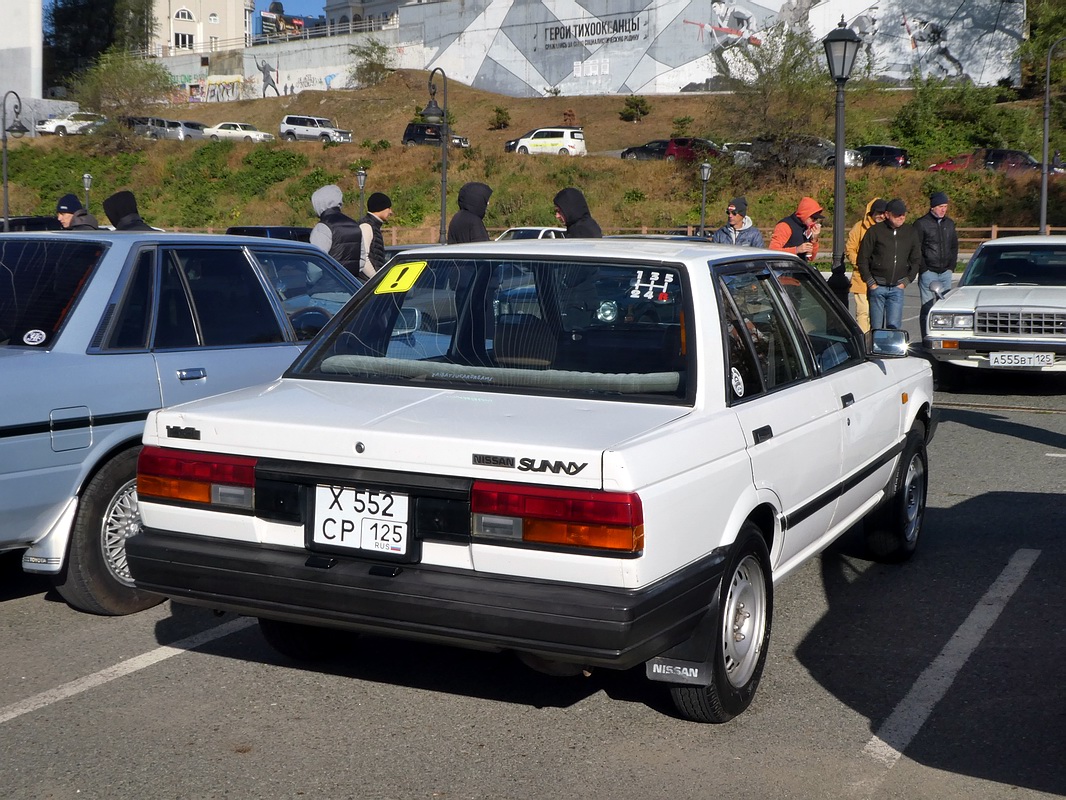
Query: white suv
[(564, 141), (77, 122), (294, 127)]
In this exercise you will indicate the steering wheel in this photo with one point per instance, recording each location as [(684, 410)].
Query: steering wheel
[(308, 321)]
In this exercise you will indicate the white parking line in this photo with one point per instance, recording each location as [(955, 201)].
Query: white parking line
[(913, 710), (121, 669)]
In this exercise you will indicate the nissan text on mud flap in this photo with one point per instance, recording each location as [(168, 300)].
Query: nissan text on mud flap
[(604, 455)]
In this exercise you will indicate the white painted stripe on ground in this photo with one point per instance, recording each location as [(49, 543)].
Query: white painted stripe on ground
[(1055, 455), (913, 710), (121, 669)]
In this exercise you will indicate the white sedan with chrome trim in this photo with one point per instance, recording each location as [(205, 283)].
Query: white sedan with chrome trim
[(606, 456), (1007, 312)]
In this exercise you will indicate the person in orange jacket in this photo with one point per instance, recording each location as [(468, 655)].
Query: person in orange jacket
[(798, 232)]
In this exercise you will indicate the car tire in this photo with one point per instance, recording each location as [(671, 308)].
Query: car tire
[(742, 634), (407, 142), (214, 137), (563, 151), (893, 530), (290, 137), (524, 151), (630, 156), (304, 642), (669, 158), (96, 577), (247, 138), (61, 131), (325, 138)]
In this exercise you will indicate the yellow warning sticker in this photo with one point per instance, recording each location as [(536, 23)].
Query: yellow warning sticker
[(400, 277)]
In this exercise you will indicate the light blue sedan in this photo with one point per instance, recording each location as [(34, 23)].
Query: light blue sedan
[(96, 330)]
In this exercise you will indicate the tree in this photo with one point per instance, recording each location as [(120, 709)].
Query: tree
[(119, 84), (78, 31), (374, 62), (636, 108)]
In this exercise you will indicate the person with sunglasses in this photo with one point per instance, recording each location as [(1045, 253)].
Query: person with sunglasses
[(739, 229)]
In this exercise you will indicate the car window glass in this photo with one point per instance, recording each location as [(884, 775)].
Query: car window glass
[(132, 323), (40, 282), (831, 336), (548, 327), (1040, 265), (742, 369), (174, 327), (762, 315), (308, 286), (229, 301)]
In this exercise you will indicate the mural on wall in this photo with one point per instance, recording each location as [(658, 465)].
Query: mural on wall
[(529, 47)]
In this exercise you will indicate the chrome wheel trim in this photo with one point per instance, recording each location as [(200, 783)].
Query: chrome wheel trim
[(744, 622), (914, 499), (121, 520)]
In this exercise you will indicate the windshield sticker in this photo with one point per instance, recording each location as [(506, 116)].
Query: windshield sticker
[(655, 288), (737, 381), (34, 337), (400, 278)]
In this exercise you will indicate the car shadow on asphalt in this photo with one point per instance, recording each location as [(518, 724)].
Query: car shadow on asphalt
[(1001, 719), (15, 583), (994, 422)]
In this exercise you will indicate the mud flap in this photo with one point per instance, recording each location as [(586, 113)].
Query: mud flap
[(691, 661)]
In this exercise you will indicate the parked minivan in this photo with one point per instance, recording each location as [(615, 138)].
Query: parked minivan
[(295, 127), (564, 140)]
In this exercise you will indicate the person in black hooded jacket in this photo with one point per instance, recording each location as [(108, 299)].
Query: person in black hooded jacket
[(468, 224), (121, 209), (572, 210)]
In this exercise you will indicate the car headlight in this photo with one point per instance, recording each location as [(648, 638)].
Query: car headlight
[(950, 321)]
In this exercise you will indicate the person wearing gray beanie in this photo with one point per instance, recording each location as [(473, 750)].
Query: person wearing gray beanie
[(940, 254)]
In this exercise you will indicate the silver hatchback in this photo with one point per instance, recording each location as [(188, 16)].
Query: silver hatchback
[(98, 329)]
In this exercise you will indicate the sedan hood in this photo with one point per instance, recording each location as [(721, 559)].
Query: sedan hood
[(478, 435), (1005, 296)]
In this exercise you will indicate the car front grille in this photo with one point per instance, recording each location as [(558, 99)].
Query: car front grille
[(1021, 323)]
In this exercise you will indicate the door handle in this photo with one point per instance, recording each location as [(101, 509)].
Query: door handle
[(847, 399), (762, 434), (192, 374)]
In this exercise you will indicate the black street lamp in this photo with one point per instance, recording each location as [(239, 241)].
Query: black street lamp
[(17, 131), (1047, 120), (439, 115), (841, 47), (360, 178), (705, 175), (87, 182)]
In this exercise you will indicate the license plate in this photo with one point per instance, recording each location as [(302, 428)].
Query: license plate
[(361, 519), (1021, 359)]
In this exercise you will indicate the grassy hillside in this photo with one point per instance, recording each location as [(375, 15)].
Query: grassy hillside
[(200, 186)]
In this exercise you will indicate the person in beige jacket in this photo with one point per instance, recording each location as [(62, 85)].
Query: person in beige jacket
[(875, 212)]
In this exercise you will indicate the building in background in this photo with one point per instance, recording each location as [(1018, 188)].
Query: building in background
[(22, 49), (202, 26)]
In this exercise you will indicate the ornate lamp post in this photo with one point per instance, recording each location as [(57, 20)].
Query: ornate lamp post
[(87, 182), (360, 178), (705, 175), (439, 115), (1047, 120), (17, 131), (841, 47)]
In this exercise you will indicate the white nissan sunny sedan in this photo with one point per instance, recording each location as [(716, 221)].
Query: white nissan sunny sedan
[(606, 457)]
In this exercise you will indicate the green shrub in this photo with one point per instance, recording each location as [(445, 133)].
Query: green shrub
[(501, 119), (635, 109)]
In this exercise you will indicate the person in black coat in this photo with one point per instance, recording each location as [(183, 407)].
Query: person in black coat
[(572, 210), (468, 224), (121, 209)]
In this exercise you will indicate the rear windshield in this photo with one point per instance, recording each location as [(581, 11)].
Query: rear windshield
[(1036, 265), (40, 281), (603, 330)]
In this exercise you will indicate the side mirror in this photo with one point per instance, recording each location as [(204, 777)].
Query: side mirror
[(408, 321), (888, 343)]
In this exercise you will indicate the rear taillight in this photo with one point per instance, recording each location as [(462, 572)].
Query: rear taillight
[(203, 478), (509, 512)]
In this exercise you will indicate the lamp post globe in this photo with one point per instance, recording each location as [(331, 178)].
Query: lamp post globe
[(17, 131), (360, 179), (841, 47), (705, 175), (87, 182)]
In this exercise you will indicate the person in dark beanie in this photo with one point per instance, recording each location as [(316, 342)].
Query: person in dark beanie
[(889, 257), (468, 224), (336, 233), (875, 212), (940, 253), (73, 216), (373, 256), (572, 210), (738, 229), (121, 209)]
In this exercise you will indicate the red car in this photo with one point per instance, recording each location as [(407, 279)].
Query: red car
[(691, 149), (989, 158)]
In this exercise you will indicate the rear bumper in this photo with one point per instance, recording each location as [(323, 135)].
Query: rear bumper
[(589, 625)]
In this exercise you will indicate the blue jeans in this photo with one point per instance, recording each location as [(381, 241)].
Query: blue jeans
[(886, 307), (928, 282)]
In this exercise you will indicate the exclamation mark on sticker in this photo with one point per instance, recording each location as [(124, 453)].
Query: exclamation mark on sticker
[(399, 277)]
